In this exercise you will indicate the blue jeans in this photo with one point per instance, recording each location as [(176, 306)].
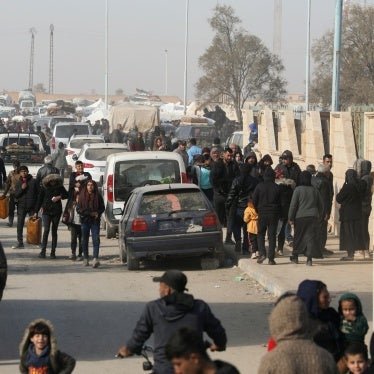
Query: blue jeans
[(95, 231)]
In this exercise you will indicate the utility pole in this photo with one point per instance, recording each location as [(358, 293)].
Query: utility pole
[(337, 56), (277, 32), (166, 72), (50, 87), (185, 60), (307, 83), (31, 70)]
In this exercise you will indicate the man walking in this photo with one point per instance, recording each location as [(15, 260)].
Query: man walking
[(163, 317)]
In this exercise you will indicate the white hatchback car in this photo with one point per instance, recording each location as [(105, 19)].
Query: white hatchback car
[(75, 145), (94, 157)]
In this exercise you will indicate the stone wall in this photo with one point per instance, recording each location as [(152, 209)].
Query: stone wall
[(275, 139)]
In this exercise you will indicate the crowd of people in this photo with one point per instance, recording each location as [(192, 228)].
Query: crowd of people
[(288, 205), (307, 335), (43, 196)]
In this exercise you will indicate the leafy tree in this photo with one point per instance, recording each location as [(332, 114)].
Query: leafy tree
[(357, 61), (238, 65)]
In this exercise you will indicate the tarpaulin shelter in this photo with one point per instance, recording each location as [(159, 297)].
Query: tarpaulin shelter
[(129, 115)]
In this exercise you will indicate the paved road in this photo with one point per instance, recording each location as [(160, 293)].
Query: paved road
[(94, 310)]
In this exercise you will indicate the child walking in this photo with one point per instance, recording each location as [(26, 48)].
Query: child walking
[(39, 353), (251, 219), (353, 323)]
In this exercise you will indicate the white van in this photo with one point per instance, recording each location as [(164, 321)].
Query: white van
[(126, 171), (63, 131)]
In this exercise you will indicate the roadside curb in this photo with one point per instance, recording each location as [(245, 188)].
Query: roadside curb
[(268, 281)]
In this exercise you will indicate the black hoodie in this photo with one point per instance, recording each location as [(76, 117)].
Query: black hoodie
[(165, 316), (266, 196)]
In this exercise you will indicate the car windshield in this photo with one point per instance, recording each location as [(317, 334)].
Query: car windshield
[(186, 132), (20, 141), (134, 173), (79, 143), (67, 131), (100, 154), (166, 202), (57, 120)]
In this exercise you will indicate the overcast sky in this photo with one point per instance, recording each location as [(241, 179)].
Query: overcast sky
[(139, 33)]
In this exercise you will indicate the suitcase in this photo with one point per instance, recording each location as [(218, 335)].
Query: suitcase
[(4, 207), (34, 231)]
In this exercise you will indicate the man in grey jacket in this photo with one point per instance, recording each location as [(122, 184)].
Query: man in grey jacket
[(163, 317)]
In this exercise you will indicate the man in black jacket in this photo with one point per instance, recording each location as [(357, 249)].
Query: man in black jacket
[(46, 169), (26, 192), (237, 199), (223, 172), (289, 171), (266, 200), (166, 315)]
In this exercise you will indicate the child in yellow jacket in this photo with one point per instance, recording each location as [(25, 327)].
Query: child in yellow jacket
[(251, 219)]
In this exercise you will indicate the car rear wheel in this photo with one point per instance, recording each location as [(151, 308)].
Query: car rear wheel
[(132, 262), (110, 232), (209, 263), (122, 250), (220, 256)]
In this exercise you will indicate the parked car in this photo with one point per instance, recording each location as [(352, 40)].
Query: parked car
[(52, 121), (173, 220), (235, 138), (62, 132), (27, 148), (204, 133), (167, 128), (94, 155), (126, 171), (75, 145)]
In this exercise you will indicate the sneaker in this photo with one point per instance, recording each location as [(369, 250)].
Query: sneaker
[(52, 256), (272, 262), (359, 255), (80, 258), (18, 246), (289, 243), (280, 253), (294, 259), (73, 257), (85, 262), (261, 259), (96, 263), (254, 256), (9, 224), (41, 255), (309, 262)]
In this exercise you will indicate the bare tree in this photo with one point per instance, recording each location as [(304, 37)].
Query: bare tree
[(357, 61), (238, 65)]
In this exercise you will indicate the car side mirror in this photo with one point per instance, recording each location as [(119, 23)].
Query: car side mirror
[(74, 157), (117, 211)]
